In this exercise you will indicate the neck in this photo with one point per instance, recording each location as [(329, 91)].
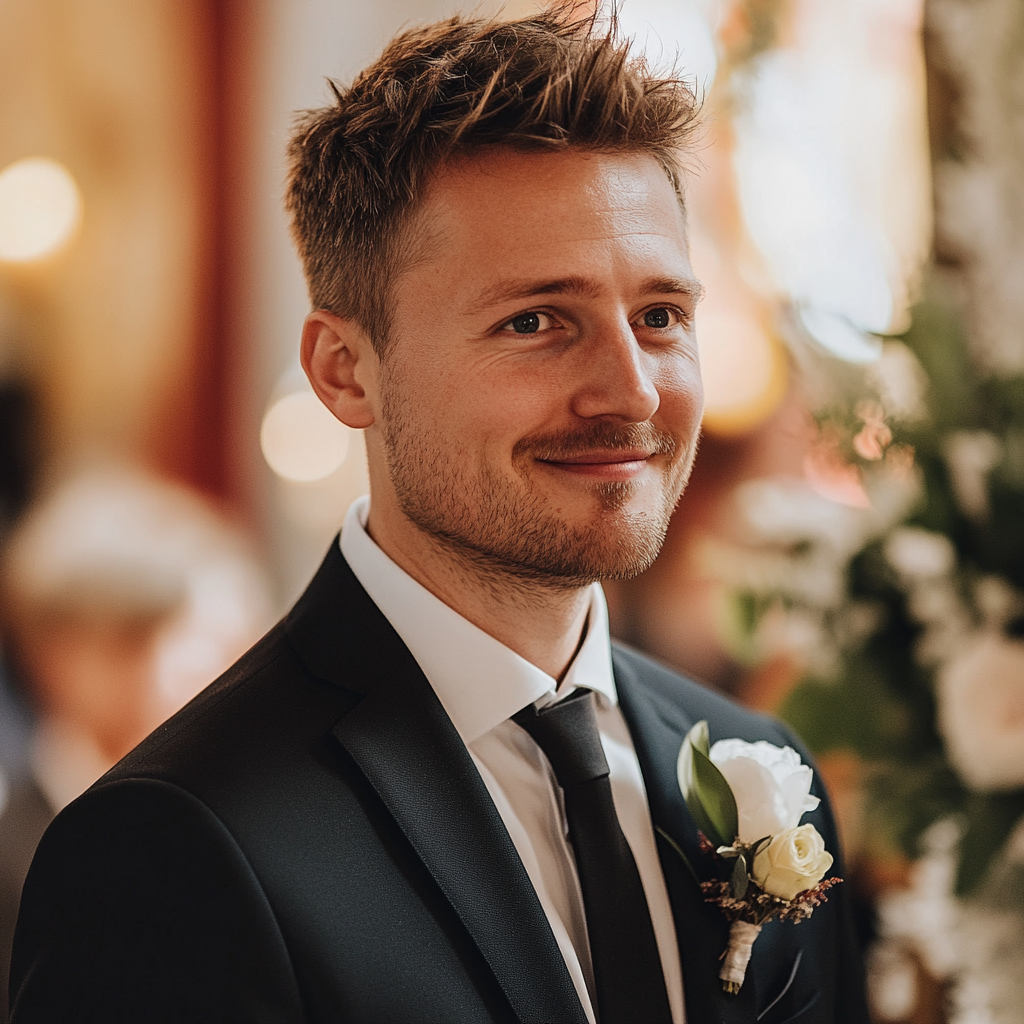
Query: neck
[(543, 624)]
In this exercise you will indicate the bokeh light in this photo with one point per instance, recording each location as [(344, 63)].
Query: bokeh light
[(743, 365), (831, 166), (744, 371), (675, 32), (301, 440), (40, 208)]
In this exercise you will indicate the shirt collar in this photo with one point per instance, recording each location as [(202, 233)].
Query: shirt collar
[(479, 681)]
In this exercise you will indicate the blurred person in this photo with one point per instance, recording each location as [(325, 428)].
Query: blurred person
[(122, 594), (360, 820), (19, 455)]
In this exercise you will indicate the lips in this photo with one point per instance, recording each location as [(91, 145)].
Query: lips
[(597, 450), (618, 466), (600, 458)]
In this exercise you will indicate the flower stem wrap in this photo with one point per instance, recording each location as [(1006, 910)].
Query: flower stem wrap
[(737, 956)]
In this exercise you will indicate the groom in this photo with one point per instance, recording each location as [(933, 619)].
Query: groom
[(432, 793)]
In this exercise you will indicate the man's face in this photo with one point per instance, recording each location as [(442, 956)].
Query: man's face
[(540, 402)]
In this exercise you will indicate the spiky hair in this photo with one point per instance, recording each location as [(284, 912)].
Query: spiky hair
[(358, 167)]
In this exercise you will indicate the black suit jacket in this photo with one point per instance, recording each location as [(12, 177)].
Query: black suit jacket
[(309, 840), (22, 824)]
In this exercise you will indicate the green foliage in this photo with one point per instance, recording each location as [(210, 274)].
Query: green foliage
[(714, 793), (707, 794), (937, 338), (962, 399), (906, 795), (856, 712), (740, 880), (679, 851), (699, 738), (990, 818), (878, 700)]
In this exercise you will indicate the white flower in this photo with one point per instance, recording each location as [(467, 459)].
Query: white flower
[(971, 455), (793, 861), (997, 601), (901, 380), (919, 553), (981, 712), (771, 786), (781, 510)]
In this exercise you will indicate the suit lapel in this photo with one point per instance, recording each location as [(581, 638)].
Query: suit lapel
[(406, 746), (658, 727)]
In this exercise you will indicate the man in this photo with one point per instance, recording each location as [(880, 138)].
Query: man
[(380, 814)]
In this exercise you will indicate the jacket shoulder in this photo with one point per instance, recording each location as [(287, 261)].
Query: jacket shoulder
[(261, 711), (140, 905), (725, 717)]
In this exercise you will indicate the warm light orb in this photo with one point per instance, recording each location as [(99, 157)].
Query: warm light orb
[(744, 371), (742, 364), (301, 440), (40, 208)]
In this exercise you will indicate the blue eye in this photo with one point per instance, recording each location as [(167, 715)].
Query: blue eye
[(525, 323), (657, 318)]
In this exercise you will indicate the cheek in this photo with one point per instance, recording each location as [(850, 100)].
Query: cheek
[(682, 395), (458, 415), (420, 395), (497, 404)]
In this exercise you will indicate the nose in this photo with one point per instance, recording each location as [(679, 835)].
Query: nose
[(614, 378)]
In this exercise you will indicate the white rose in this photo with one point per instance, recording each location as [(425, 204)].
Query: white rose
[(771, 786), (793, 861), (981, 712)]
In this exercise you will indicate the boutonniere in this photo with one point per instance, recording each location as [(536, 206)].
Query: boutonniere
[(747, 800)]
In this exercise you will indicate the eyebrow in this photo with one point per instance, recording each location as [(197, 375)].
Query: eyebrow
[(688, 286), (506, 291)]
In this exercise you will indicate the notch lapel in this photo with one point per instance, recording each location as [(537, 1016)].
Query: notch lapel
[(658, 727), (406, 746)]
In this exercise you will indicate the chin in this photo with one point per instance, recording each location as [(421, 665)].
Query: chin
[(613, 546), (621, 554)]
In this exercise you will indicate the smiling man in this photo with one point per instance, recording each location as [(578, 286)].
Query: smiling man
[(434, 791), (533, 419)]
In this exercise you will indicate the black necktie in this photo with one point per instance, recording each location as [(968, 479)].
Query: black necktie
[(627, 969)]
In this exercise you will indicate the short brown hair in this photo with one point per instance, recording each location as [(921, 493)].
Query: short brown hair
[(358, 168)]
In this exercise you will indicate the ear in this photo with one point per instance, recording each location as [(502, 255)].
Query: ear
[(341, 365)]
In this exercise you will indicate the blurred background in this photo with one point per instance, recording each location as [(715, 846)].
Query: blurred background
[(850, 552)]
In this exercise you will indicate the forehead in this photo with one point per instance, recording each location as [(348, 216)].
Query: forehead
[(515, 210)]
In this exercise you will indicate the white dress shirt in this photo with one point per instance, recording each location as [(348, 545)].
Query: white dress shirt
[(481, 684)]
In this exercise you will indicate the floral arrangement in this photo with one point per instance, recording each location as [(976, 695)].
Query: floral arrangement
[(747, 800), (892, 578), (913, 648)]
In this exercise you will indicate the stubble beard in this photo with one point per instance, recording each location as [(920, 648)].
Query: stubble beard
[(506, 528)]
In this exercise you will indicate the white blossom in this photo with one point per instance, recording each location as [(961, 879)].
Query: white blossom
[(771, 786), (795, 860), (981, 712), (919, 554), (971, 455), (901, 382)]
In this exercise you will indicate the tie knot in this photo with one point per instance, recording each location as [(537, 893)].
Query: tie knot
[(567, 733)]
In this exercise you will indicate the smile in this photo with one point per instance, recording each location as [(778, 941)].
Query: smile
[(613, 465)]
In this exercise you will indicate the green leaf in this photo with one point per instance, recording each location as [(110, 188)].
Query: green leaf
[(696, 738), (740, 878), (716, 798), (990, 820), (755, 848), (679, 851)]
